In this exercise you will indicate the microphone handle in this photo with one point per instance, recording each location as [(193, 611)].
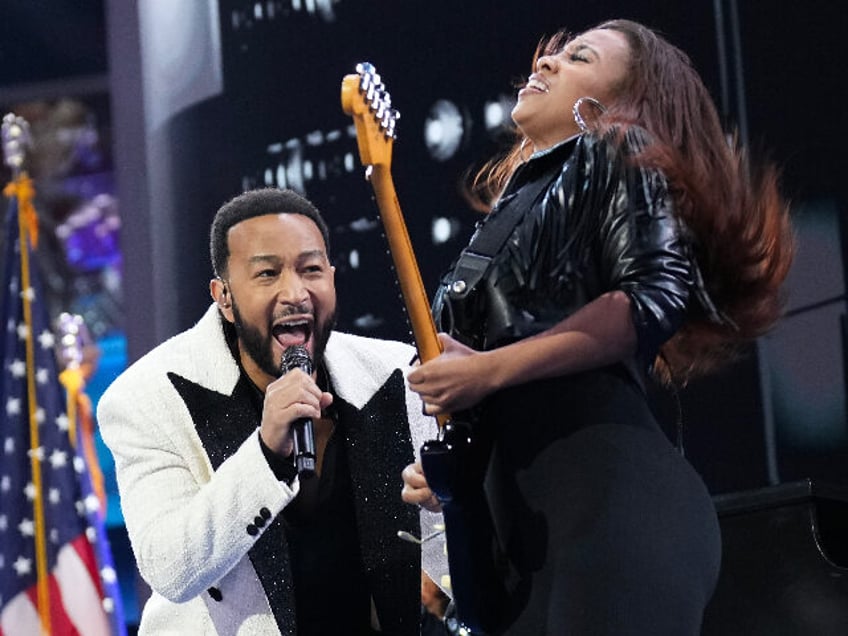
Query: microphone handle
[(304, 447), (304, 440)]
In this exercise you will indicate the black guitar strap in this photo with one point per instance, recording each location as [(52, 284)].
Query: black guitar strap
[(491, 234)]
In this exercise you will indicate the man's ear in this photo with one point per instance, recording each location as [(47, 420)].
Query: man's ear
[(221, 295)]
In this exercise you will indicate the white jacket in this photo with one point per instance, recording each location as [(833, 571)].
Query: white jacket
[(186, 520)]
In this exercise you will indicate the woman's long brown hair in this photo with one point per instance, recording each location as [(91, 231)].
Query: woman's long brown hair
[(744, 242)]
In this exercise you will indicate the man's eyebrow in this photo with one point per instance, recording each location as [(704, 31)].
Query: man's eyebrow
[(312, 253), (273, 259), (263, 258)]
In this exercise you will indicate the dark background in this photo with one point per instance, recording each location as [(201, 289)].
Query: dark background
[(775, 70)]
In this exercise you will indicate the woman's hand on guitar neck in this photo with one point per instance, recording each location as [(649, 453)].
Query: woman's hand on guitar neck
[(455, 380), (415, 489)]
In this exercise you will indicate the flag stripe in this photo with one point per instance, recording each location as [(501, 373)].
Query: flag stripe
[(85, 554), (60, 622), (80, 594), (20, 617)]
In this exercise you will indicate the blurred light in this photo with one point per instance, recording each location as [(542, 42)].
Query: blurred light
[(364, 225), (443, 130), (443, 229), (368, 321), (497, 114), (294, 165), (494, 115)]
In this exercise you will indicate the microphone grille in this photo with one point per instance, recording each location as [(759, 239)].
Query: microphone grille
[(296, 357)]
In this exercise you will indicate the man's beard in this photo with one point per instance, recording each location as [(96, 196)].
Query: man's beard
[(259, 347)]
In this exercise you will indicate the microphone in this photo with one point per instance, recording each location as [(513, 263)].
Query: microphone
[(297, 357)]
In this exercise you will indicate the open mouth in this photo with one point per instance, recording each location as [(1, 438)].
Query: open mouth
[(537, 85), (292, 332)]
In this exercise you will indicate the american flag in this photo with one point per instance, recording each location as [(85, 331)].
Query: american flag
[(56, 571)]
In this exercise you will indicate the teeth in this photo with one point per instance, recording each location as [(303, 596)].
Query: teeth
[(534, 83)]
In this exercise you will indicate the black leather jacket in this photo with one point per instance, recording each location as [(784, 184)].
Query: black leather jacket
[(594, 223)]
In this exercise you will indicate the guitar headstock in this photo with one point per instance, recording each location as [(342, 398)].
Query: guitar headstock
[(365, 98)]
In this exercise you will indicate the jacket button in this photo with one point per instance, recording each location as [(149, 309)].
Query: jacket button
[(215, 593), (265, 513), (258, 522), (252, 530)]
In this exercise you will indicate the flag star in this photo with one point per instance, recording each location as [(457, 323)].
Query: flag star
[(46, 339), (80, 508), (63, 423), (28, 294), (108, 574), (91, 534), (23, 331), (13, 406), (5, 483), (10, 325), (42, 376), (30, 492), (22, 566), (92, 503), (39, 413), (2, 567), (38, 453), (9, 446), (54, 496), (26, 527), (58, 459), (109, 605), (54, 536), (79, 465), (4, 523), (18, 368)]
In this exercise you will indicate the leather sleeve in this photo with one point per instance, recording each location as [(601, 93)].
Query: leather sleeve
[(641, 243)]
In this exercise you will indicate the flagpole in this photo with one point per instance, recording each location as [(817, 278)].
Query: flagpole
[(15, 134)]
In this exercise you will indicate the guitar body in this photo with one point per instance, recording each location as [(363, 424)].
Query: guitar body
[(455, 463), (455, 467)]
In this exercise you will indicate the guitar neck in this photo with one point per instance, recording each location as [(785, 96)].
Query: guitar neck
[(408, 274), (365, 98)]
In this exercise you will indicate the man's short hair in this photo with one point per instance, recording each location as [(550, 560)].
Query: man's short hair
[(258, 203)]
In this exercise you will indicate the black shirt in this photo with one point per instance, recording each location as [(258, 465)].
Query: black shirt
[(331, 591)]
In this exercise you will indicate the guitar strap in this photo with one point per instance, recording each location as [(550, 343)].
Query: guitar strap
[(474, 261)]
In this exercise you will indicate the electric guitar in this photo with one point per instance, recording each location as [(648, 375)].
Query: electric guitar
[(453, 465)]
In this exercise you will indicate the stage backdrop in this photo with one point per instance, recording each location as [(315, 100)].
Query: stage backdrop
[(214, 97)]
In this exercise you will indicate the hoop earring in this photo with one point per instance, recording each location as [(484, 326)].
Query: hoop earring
[(578, 118)]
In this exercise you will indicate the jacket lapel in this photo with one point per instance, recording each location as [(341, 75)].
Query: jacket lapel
[(378, 448), (269, 555)]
